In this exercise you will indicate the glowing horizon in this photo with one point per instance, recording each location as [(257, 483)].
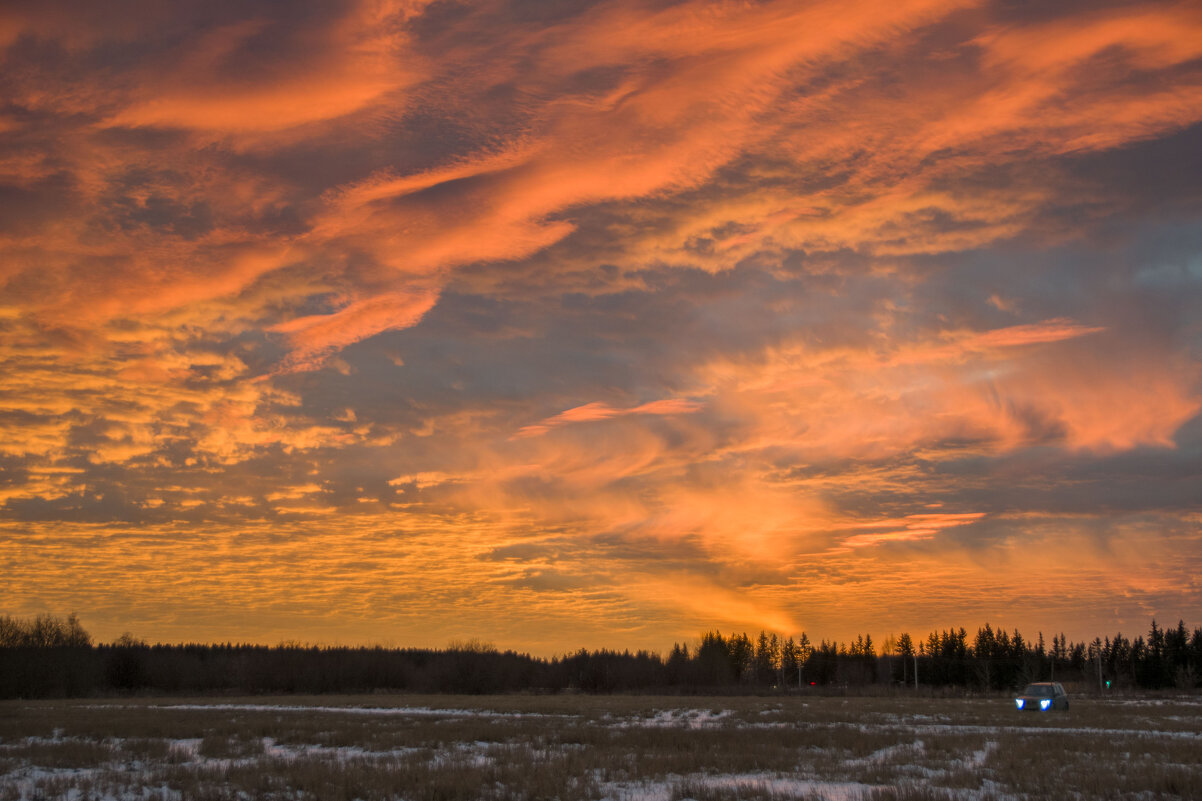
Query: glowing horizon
[(600, 323)]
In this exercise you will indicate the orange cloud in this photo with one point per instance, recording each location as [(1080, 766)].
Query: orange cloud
[(590, 412), (1032, 334), (979, 387), (659, 132), (316, 336), (913, 142), (709, 605), (913, 527)]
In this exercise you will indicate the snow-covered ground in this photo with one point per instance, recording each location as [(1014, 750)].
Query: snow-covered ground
[(822, 749)]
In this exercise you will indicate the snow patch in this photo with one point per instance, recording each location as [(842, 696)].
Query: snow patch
[(680, 719)]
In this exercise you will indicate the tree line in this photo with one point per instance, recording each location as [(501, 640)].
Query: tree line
[(48, 656)]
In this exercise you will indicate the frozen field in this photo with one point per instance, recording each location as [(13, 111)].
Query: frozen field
[(580, 747)]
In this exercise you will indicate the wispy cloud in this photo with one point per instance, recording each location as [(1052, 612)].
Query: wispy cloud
[(912, 527), (591, 412)]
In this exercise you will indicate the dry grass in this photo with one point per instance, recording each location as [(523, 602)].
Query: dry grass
[(580, 748)]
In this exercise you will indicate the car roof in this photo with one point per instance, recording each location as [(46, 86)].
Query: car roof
[(1055, 685)]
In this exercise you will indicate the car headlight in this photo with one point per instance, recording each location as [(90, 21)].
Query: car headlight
[(1018, 702), (1045, 703)]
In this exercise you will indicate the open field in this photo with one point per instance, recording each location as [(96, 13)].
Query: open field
[(570, 747)]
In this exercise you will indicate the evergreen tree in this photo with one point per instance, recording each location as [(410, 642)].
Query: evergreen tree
[(764, 661), (905, 650), (713, 660), (1156, 672), (805, 650), (678, 665), (789, 663), (740, 650)]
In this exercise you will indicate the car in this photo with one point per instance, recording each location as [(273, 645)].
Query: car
[(1042, 696)]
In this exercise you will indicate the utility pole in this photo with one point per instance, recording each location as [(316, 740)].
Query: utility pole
[(915, 671)]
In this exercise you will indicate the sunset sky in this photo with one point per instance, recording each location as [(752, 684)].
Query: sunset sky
[(562, 324)]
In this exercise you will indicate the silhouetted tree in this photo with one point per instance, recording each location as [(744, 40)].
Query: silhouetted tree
[(54, 657)]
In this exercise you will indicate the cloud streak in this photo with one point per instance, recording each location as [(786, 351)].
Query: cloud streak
[(591, 412)]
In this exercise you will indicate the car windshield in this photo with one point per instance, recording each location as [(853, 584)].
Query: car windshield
[(1038, 689)]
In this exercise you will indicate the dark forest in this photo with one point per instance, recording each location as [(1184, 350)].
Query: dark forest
[(48, 657)]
